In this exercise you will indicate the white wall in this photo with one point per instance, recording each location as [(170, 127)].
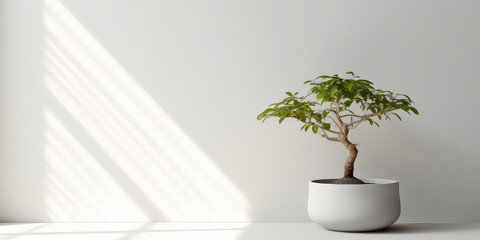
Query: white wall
[(146, 110)]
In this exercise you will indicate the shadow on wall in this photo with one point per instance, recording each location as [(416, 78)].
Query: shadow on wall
[(437, 167), (151, 171), (441, 183)]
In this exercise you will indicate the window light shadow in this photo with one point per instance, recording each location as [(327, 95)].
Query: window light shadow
[(152, 170), (122, 231), (13, 230), (78, 185)]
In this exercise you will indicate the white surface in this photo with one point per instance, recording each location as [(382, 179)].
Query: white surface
[(210, 67), (231, 231), (354, 207)]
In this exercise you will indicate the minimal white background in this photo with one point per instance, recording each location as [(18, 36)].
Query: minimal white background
[(211, 67)]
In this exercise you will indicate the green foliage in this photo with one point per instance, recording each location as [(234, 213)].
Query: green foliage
[(333, 97)]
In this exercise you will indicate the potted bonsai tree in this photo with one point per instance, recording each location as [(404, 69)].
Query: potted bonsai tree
[(332, 108)]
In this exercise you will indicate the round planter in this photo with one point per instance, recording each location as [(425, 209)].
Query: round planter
[(354, 207)]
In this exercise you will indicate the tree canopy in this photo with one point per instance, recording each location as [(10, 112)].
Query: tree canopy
[(333, 105)]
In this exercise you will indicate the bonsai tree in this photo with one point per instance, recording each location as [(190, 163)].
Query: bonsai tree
[(333, 106)]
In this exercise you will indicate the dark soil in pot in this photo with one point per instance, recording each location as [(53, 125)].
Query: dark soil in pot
[(344, 180)]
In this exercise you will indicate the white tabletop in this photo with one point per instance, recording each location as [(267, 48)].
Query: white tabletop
[(231, 231)]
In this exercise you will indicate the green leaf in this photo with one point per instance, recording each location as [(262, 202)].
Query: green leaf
[(397, 116), (349, 85), (323, 76), (365, 81), (321, 95), (307, 127), (348, 103), (406, 97), (325, 113), (364, 95), (315, 129), (326, 125), (281, 120), (309, 81), (414, 110), (370, 121), (353, 75), (289, 94), (332, 91), (350, 111)]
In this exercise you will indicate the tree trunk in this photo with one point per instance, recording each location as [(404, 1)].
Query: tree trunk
[(352, 148), (348, 171)]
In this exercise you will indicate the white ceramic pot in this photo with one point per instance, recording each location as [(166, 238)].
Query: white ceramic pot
[(354, 207)]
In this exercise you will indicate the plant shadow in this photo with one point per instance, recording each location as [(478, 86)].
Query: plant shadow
[(414, 228)]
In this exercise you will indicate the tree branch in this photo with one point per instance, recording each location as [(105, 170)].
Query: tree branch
[(338, 125), (363, 118), (352, 127), (351, 115), (341, 123), (319, 126), (334, 139)]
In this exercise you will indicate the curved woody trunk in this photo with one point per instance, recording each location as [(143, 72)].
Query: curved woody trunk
[(352, 148), (348, 171)]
